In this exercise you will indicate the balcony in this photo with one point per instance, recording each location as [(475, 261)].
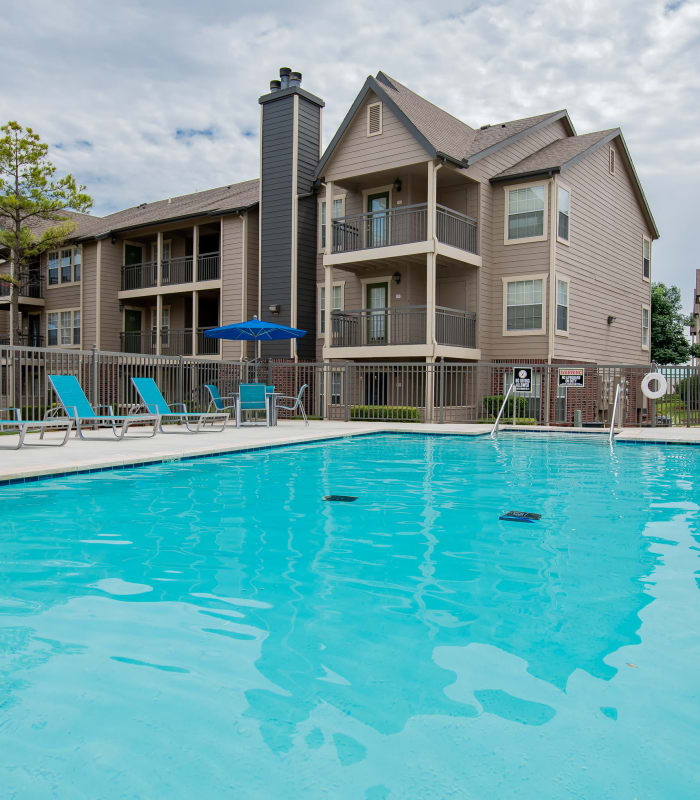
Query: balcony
[(25, 340), (31, 285), (403, 225), (173, 271), (381, 327), (172, 342)]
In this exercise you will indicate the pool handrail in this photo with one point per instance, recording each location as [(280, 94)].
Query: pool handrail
[(152, 399), (75, 405), (494, 430), (614, 413)]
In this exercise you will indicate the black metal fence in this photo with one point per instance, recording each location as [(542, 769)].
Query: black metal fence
[(449, 392)]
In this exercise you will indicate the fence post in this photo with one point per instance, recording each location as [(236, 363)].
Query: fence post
[(181, 379), (687, 397), (548, 394), (442, 391), (347, 393), (95, 392)]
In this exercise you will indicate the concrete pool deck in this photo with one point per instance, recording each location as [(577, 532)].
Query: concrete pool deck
[(100, 452)]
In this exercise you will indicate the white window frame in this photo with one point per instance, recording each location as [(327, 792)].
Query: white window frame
[(379, 105), (564, 188), (165, 311), (540, 276), (545, 213), (647, 278), (322, 217), (648, 329), (59, 345), (560, 332), (74, 249), (320, 292)]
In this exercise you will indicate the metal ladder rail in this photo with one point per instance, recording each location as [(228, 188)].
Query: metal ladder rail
[(614, 414), (510, 391)]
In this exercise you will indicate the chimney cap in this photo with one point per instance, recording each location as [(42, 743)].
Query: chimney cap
[(285, 71), (275, 86)]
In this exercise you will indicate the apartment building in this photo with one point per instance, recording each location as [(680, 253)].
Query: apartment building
[(412, 237), (695, 317)]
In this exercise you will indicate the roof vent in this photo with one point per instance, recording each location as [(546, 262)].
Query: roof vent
[(143, 205), (275, 86), (170, 200), (503, 124), (483, 127), (285, 72), (295, 79)]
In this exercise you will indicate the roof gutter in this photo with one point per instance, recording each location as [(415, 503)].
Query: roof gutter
[(548, 172)]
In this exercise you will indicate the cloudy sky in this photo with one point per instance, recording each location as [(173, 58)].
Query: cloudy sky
[(150, 99)]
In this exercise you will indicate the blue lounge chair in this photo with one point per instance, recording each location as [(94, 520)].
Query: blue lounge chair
[(154, 402), (297, 403), (76, 406), (253, 397), (16, 424), (217, 402)]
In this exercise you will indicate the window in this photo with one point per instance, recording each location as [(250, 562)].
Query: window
[(646, 258), (337, 304), (562, 306), (164, 325), (338, 211), (611, 161), (374, 119), (645, 327), (63, 328), (64, 265), (563, 201), (523, 305), (525, 213), (336, 383)]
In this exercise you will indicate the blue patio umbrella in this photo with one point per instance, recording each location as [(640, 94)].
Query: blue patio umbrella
[(254, 330)]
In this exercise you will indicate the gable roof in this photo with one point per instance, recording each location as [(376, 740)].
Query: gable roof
[(562, 154), (441, 134)]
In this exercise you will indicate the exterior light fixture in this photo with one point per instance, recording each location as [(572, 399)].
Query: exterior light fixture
[(397, 277), (611, 319), (397, 185), (114, 239), (274, 309)]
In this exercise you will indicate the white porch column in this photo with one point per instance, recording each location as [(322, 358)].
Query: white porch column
[(195, 320), (159, 260), (195, 252), (159, 314), (432, 200), (430, 294), (329, 269)]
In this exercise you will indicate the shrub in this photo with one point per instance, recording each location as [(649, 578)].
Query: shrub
[(506, 421), (688, 391), (395, 413), (492, 405)]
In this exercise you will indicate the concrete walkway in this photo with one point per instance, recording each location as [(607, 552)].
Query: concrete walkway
[(102, 450)]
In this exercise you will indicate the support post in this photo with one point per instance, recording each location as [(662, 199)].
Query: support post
[(95, 392), (195, 253), (430, 274), (195, 321), (329, 269), (159, 321)]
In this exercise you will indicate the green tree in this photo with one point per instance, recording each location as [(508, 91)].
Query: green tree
[(669, 344), (33, 202)]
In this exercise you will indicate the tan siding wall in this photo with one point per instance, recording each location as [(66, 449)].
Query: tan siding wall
[(252, 268), (110, 316), (603, 262), (358, 154), (89, 274), (232, 279)]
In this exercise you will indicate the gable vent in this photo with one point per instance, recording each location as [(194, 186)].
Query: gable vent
[(374, 119), (611, 162)]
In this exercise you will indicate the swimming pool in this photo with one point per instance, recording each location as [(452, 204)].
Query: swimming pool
[(214, 628)]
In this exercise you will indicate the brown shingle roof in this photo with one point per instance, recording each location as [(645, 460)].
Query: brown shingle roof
[(556, 154), (212, 201)]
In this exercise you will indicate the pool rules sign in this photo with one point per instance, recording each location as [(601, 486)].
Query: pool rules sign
[(522, 379), (571, 378)]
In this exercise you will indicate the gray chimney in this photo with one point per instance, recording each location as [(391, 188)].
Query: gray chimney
[(290, 139)]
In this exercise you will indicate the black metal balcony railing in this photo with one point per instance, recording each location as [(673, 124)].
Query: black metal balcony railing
[(208, 267), (173, 342), (173, 271), (31, 285), (397, 326), (403, 225), (139, 276), (25, 340)]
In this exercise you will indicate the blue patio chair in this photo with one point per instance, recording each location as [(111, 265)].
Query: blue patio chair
[(269, 389), (296, 403), (10, 424), (253, 397), (217, 402), (76, 406), (154, 401)]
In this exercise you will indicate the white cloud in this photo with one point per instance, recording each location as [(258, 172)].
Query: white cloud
[(126, 77)]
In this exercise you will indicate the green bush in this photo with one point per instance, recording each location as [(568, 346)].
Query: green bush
[(395, 413), (506, 421), (492, 405), (688, 391)]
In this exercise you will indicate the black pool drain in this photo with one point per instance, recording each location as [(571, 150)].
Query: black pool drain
[(520, 516), (340, 498)]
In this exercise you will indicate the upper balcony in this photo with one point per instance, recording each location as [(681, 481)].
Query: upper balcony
[(403, 225), (174, 271), (31, 289)]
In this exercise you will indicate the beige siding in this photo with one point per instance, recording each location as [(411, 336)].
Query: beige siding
[(110, 278), (603, 263), (358, 154), (252, 272), (232, 279), (89, 275)]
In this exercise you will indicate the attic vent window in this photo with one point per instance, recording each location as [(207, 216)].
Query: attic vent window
[(612, 161), (374, 119)]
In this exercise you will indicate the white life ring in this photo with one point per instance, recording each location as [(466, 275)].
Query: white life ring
[(661, 383)]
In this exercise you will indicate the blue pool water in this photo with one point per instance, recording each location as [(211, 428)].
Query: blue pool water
[(213, 628)]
